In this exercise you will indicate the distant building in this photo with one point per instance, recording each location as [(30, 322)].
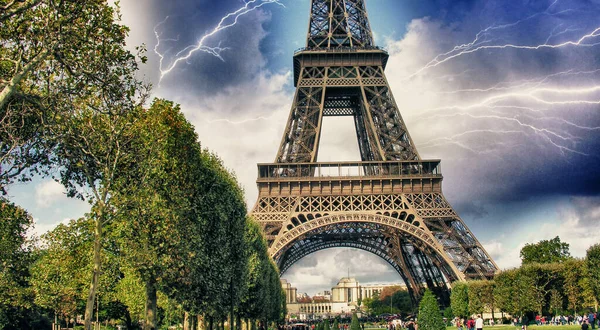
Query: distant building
[(342, 299), (290, 292)]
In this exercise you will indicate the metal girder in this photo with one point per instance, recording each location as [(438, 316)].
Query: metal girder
[(412, 260), (390, 203), (339, 24)]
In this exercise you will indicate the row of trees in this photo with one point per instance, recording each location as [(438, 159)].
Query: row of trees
[(553, 284), (167, 225), (394, 300)]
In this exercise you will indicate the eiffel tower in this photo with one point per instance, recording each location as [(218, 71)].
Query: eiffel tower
[(390, 203)]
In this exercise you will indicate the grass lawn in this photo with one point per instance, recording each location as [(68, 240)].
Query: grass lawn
[(511, 327), (530, 327)]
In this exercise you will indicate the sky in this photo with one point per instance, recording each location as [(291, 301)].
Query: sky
[(504, 92)]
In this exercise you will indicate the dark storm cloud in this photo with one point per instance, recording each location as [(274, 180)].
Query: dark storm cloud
[(204, 73), (517, 148)]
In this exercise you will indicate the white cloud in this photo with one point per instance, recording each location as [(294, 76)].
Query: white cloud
[(323, 269), (573, 221), (40, 228), (48, 192)]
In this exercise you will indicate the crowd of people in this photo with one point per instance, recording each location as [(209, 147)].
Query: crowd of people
[(471, 323), (591, 319)]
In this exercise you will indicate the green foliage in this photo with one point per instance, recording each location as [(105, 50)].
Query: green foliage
[(592, 261), (336, 325), (545, 251), (481, 296), (355, 325), (326, 325), (448, 315), (397, 301), (573, 274), (459, 299), (73, 56), (16, 297), (430, 316)]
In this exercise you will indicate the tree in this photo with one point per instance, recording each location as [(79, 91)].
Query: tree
[(504, 290), (69, 78), (592, 260), (481, 292), (475, 293), (354, 324), (151, 197), (459, 299), (573, 273), (545, 251), (62, 272), (56, 55), (15, 259), (525, 296), (336, 325), (326, 325), (60, 275), (543, 279), (430, 316)]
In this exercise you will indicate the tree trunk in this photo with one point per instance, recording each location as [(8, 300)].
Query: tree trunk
[(128, 321), (238, 321), (186, 321), (11, 87), (210, 323), (231, 319), (192, 322), (150, 305), (89, 307), (200, 321)]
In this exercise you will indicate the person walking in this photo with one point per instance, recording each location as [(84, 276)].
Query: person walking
[(592, 320), (471, 324), (479, 322)]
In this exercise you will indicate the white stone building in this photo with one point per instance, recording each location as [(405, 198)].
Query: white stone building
[(344, 299)]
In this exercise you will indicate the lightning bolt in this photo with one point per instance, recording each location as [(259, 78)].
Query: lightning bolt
[(527, 83), (229, 20), (441, 59), (542, 132), (483, 34)]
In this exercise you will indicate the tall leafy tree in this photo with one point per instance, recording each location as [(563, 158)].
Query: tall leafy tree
[(91, 153), (355, 324), (545, 251), (55, 55), (150, 196), (61, 273), (255, 299), (15, 260), (475, 295), (67, 79), (573, 273), (543, 278), (592, 260), (459, 299), (504, 290), (430, 316)]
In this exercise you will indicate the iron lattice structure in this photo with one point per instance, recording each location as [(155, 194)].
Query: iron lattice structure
[(391, 202)]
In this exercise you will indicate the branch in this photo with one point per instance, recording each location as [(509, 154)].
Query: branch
[(8, 12), (11, 87)]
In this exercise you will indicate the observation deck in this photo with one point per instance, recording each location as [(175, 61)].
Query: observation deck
[(293, 179), (341, 56)]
